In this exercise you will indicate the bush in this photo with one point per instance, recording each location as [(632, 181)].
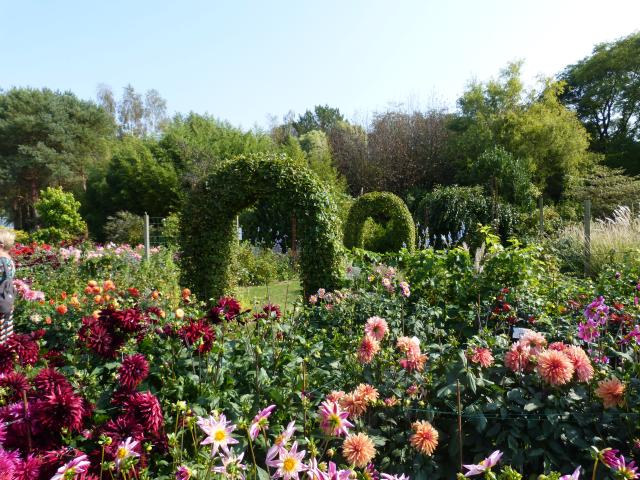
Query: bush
[(380, 222), (60, 219), (125, 227), (261, 266)]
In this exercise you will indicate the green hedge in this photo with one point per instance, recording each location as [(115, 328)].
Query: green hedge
[(208, 230), (382, 208)]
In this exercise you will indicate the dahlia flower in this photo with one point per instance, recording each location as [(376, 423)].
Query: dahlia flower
[(376, 327), (482, 356), (133, 371), (314, 472), (333, 420), (60, 408), (597, 311), (289, 463), (367, 392), (554, 367), (8, 462), (76, 468), (424, 438), (611, 392), (588, 331), (232, 466), (280, 444), (534, 340), (486, 464), (183, 473), (260, 421), (358, 450), (125, 451), (144, 408), (334, 474), (389, 476), (356, 405), (369, 347), (518, 358), (628, 471), (581, 363), (218, 432)]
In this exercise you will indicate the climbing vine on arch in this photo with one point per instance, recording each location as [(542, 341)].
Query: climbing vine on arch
[(208, 230), (383, 208)]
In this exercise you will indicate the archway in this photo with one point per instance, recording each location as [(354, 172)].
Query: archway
[(208, 230), (382, 208)]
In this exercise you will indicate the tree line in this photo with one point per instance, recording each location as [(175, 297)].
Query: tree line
[(571, 136)]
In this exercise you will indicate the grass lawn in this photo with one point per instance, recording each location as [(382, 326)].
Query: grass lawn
[(280, 293)]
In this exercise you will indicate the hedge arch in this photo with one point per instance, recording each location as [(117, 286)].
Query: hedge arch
[(381, 207), (208, 231)]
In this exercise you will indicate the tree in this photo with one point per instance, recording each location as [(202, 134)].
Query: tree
[(135, 114), (604, 91), (47, 138), (322, 118), (59, 217), (531, 125), (348, 145)]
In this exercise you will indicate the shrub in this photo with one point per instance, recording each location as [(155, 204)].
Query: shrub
[(261, 266), (381, 222), (125, 227), (60, 219), (208, 223)]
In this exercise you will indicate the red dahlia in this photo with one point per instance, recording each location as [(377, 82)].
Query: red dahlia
[(16, 383), (60, 408), (143, 408), (48, 378)]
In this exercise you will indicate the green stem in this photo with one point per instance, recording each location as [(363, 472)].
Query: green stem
[(595, 468)]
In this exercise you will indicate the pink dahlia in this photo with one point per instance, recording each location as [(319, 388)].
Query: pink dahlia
[(486, 464), (534, 340), (289, 464), (369, 347), (555, 367), (260, 421), (482, 356), (376, 327), (218, 431), (333, 419), (518, 358), (75, 469), (581, 363)]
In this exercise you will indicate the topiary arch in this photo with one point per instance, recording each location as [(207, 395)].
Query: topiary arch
[(381, 207), (208, 229)]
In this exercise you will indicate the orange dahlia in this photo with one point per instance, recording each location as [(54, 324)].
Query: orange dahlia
[(425, 437), (555, 367), (354, 404), (581, 363), (358, 450), (611, 392), (366, 392)]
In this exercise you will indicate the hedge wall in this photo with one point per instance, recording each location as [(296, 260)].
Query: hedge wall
[(208, 231)]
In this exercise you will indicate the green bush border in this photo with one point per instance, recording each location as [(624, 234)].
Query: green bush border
[(208, 222), (381, 207)]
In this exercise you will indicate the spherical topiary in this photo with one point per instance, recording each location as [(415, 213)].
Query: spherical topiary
[(381, 208), (208, 230)]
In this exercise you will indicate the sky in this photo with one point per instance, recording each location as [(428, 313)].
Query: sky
[(247, 61)]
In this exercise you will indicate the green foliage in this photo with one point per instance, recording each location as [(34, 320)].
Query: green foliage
[(453, 213), (322, 118), (382, 208), (59, 217), (208, 232), (47, 138), (262, 266), (125, 227), (504, 177), (171, 230), (604, 90)]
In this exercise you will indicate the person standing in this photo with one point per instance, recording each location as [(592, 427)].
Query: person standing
[(7, 290)]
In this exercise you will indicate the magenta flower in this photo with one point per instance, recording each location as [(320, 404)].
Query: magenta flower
[(484, 465), (335, 474), (183, 473), (588, 331), (126, 451), (597, 311), (72, 470), (260, 421), (218, 432), (333, 419), (232, 465), (280, 444), (574, 476), (628, 471), (314, 472), (388, 476)]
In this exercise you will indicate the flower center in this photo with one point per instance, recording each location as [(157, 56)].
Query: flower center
[(289, 464), (220, 435), (122, 453)]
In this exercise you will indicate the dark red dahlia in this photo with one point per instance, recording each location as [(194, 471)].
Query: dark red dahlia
[(129, 319), (143, 408), (121, 395), (8, 462), (58, 409), (54, 358), (121, 428), (227, 307), (198, 333), (13, 418), (26, 347), (133, 371), (48, 378), (16, 383), (7, 358), (101, 341), (27, 469)]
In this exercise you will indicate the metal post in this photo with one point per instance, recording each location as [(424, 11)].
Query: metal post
[(147, 243), (587, 237), (541, 208)]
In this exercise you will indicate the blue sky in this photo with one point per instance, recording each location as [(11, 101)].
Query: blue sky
[(244, 60)]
